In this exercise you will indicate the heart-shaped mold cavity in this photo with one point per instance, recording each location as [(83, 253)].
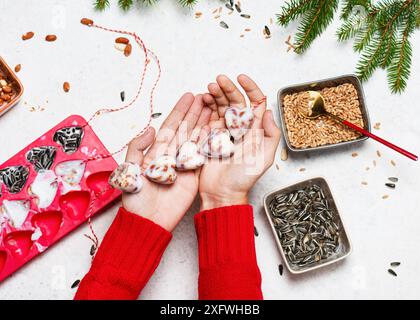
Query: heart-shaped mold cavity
[(14, 178), (19, 243), (75, 204), (70, 173), (42, 158), (49, 223), (98, 183), (69, 138), (3, 258), (15, 211)]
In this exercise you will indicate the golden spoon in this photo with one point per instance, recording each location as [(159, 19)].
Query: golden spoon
[(316, 108)]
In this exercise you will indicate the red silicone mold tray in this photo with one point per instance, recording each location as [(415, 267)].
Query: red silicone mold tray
[(47, 190)]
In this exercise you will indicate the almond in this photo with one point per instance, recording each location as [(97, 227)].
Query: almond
[(86, 21), (28, 35), (18, 68), (1, 101), (128, 49), (5, 97), (122, 40), (51, 38), (7, 89), (66, 86)]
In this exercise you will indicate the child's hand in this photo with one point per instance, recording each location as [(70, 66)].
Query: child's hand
[(162, 204), (227, 182)]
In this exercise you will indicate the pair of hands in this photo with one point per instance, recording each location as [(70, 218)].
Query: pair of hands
[(220, 182)]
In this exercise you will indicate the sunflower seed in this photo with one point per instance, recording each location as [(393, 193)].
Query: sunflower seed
[(75, 284), (92, 250), (281, 268), (390, 271), (238, 8), (256, 232), (267, 30), (246, 16), (393, 179), (390, 185), (156, 115), (224, 25), (395, 264), (122, 95), (229, 6)]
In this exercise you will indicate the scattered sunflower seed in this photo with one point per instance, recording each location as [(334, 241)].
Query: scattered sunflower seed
[(256, 232), (122, 94), (156, 115), (267, 30), (385, 197), (393, 163), (92, 250), (395, 264), (364, 183), (390, 185), (229, 6), (224, 25), (354, 154), (238, 8), (281, 268), (390, 271), (246, 16), (75, 284), (284, 154), (302, 169), (378, 153), (393, 179)]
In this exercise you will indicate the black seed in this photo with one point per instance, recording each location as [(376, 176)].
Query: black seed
[(267, 31), (246, 16), (238, 8), (390, 185), (256, 232), (393, 179), (229, 6), (156, 115), (224, 25), (122, 94), (75, 284), (281, 269), (390, 271), (92, 250), (395, 264)]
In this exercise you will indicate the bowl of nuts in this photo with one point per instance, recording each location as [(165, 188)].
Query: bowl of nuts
[(343, 97), (307, 226), (11, 88)]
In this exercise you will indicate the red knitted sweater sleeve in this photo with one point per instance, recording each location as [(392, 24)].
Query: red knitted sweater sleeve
[(127, 258), (227, 258)]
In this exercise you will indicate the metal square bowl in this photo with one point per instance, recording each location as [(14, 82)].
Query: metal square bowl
[(344, 248), (317, 86), (15, 82)]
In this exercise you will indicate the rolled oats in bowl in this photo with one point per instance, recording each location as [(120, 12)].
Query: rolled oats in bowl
[(343, 97)]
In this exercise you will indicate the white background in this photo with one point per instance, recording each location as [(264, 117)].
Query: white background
[(192, 52)]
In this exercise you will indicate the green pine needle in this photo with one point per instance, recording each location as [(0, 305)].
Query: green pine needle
[(101, 4), (125, 4), (188, 3)]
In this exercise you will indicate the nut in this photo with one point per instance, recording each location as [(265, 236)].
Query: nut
[(51, 38), (3, 83), (122, 40), (28, 35), (66, 86), (86, 21), (5, 97), (127, 50), (7, 89), (18, 68)]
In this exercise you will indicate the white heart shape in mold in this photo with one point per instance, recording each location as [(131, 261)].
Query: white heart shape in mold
[(162, 170), (127, 178), (16, 211), (218, 144), (238, 121), (44, 188), (70, 173), (189, 157)]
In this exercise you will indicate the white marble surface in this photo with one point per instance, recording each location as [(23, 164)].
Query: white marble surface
[(193, 51)]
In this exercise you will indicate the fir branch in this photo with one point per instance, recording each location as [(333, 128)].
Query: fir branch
[(188, 3), (399, 69), (348, 6), (314, 22), (125, 4), (101, 4), (293, 10)]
